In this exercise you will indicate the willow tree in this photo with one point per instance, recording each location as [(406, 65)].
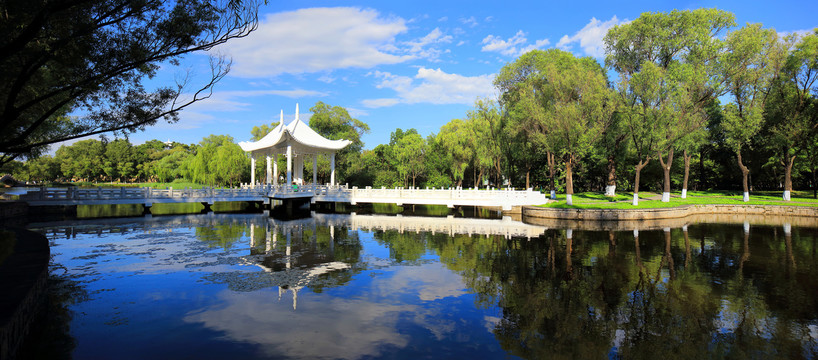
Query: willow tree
[(666, 65), (750, 63), (579, 109), (456, 140), (486, 123)]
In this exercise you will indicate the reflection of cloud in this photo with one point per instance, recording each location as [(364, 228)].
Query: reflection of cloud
[(491, 322), (429, 281), (323, 327)]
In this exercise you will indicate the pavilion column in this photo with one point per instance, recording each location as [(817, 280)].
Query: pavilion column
[(275, 169), (269, 170), (315, 169), (289, 164), (332, 169), (252, 170), (299, 169)]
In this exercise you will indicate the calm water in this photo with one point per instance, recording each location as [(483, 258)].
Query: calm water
[(247, 286)]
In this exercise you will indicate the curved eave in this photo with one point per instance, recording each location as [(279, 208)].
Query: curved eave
[(298, 132)]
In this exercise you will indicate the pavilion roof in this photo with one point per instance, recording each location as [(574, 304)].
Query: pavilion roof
[(297, 131)]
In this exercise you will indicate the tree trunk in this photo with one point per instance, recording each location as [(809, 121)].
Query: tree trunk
[(569, 181), (687, 173), (815, 183), (687, 246), (788, 177), (552, 173), (701, 168), (669, 256), (527, 174), (638, 169), (745, 173), (569, 268), (610, 188), (666, 170)]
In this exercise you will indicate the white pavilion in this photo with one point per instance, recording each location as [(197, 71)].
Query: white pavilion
[(296, 141)]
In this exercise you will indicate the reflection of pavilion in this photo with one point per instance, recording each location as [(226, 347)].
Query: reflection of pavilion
[(292, 266)]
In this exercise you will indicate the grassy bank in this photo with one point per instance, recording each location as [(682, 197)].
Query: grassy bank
[(648, 200)]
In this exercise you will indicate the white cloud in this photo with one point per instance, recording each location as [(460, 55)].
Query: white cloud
[(317, 39), (432, 86), (590, 37), (222, 101), (383, 102), (445, 18), (513, 46), (798, 33), (356, 112), (423, 47), (326, 79), (470, 21)]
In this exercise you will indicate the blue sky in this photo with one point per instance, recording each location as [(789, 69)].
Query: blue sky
[(405, 64)]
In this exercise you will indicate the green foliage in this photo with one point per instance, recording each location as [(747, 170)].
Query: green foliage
[(91, 57), (7, 243), (335, 123), (219, 161)]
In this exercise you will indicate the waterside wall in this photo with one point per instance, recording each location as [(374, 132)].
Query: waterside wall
[(644, 219)]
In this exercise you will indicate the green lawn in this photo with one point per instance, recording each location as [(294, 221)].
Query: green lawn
[(647, 200)]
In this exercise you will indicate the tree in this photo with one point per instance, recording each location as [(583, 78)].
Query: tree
[(523, 100), (486, 123), (665, 63), (82, 160), (335, 123), (89, 58), (44, 168), (456, 141), (259, 132), (750, 63), (173, 164), (792, 110), (581, 107), (118, 161), (410, 152)]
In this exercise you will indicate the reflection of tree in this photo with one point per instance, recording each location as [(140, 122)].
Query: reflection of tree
[(221, 235), (53, 328), (649, 297), (403, 246)]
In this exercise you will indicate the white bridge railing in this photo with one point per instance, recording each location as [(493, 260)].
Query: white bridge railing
[(505, 198)]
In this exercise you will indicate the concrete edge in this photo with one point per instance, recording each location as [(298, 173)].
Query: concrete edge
[(629, 219)]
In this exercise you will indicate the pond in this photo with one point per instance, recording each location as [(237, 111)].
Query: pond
[(353, 286)]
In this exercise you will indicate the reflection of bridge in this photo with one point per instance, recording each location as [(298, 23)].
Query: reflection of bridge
[(264, 193), (444, 225)]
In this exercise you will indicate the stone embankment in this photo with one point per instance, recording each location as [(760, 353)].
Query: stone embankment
[(629, 219)]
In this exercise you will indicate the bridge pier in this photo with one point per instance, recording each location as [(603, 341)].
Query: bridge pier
[(146, 208), (207, 207)]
